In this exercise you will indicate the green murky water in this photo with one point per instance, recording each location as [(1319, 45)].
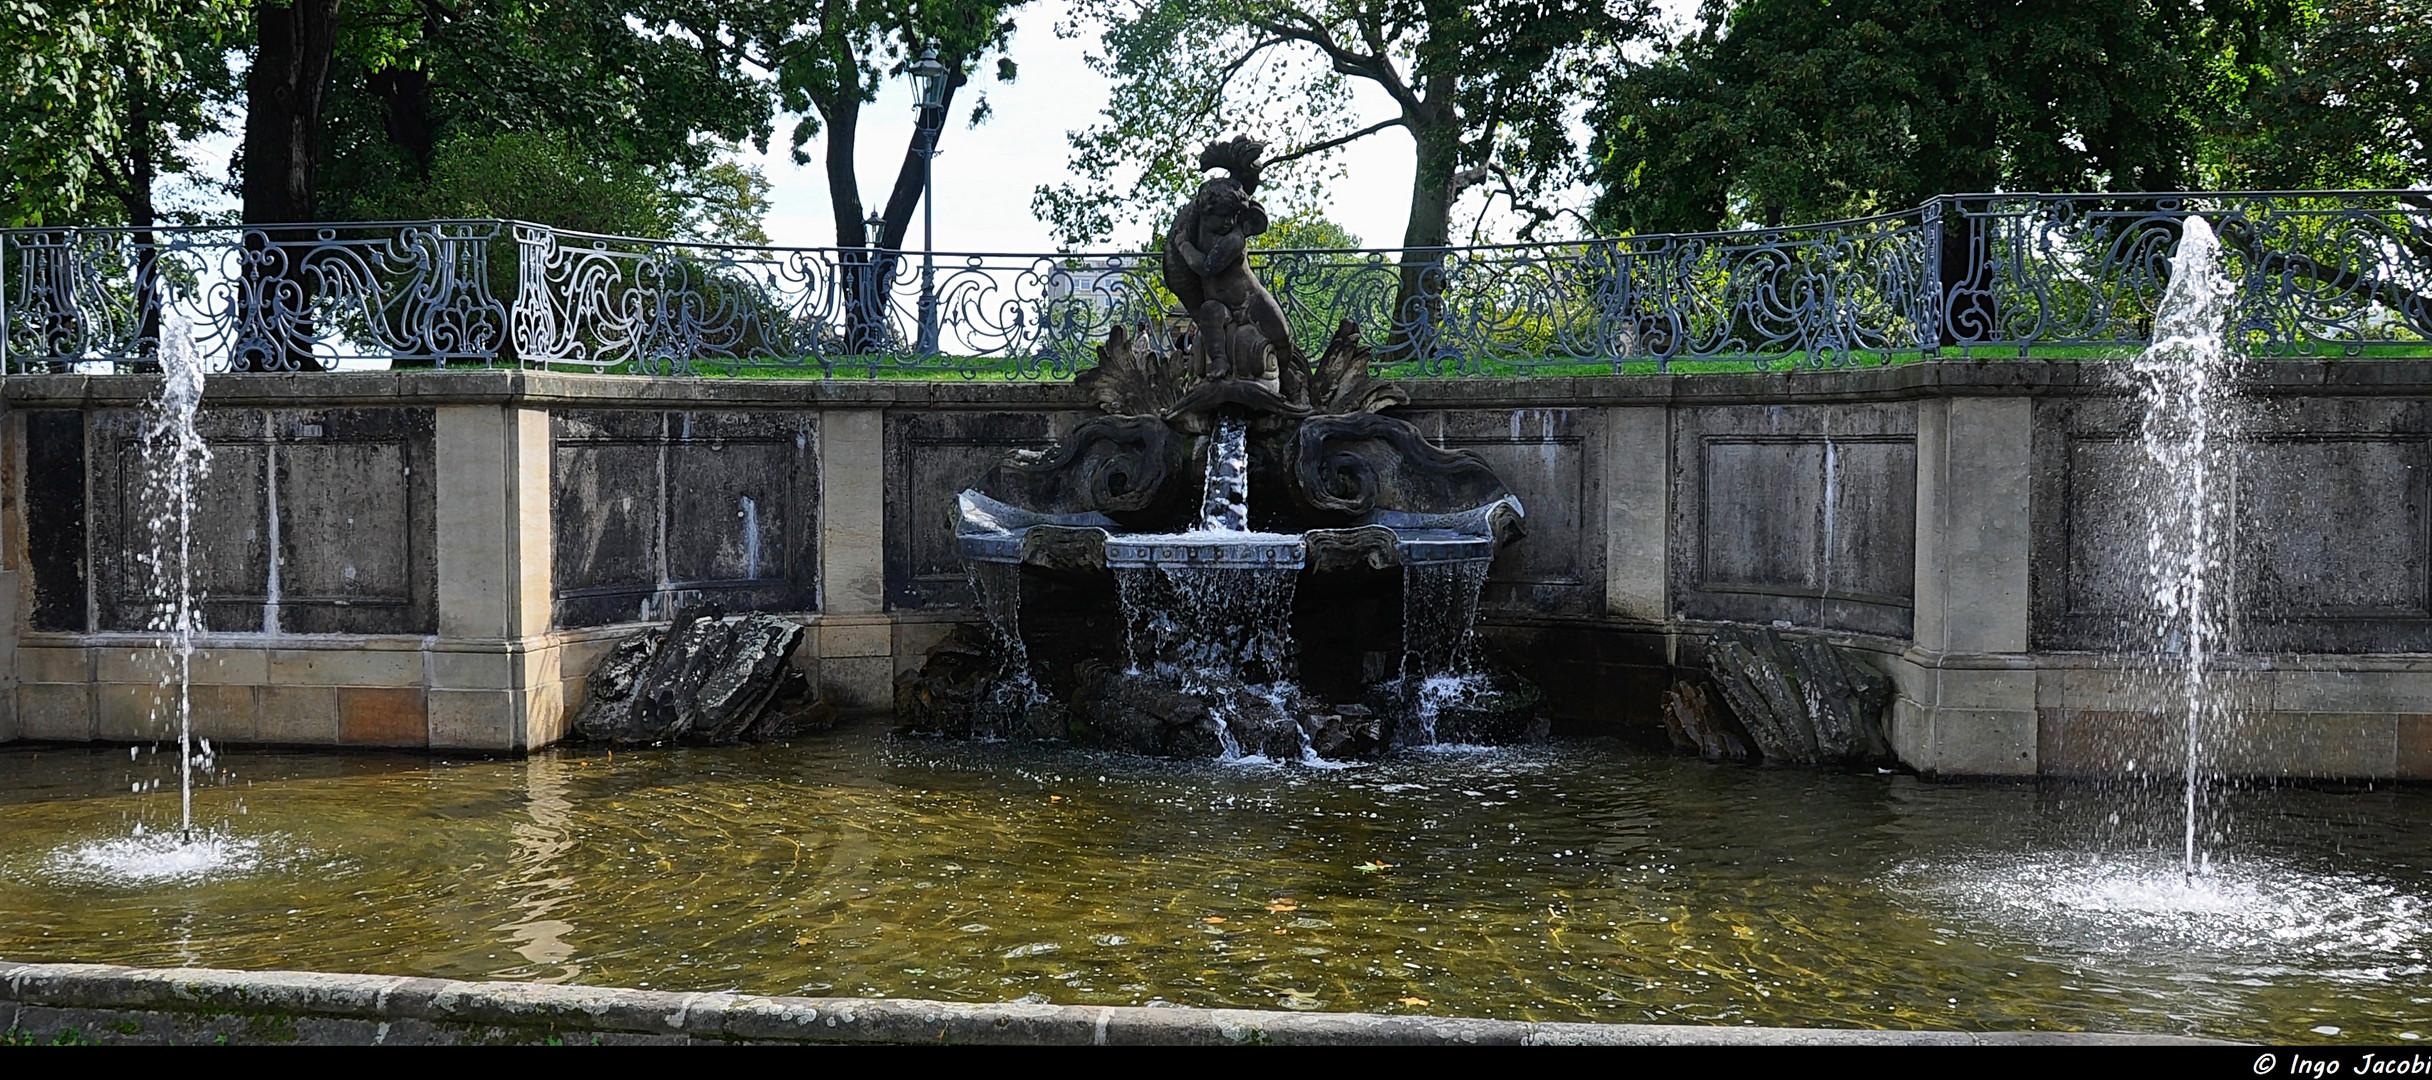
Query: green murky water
[(1581, 881)]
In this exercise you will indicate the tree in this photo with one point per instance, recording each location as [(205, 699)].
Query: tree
[(94, 98), (294, 44), (2341, 99), (1795, 110), (829, 61), (1482, 89), (654, 92)]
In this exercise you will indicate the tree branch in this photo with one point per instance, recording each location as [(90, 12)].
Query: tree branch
[(1329, 144), (1215, 94), (1375, 68)]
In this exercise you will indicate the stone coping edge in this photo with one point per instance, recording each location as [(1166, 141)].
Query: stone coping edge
[(184, 1005), (544, 389)]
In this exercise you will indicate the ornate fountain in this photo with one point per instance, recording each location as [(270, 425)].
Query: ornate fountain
[(1241, 555)]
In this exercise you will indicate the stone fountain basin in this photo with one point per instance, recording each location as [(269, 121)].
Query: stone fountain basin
[(990, 531)]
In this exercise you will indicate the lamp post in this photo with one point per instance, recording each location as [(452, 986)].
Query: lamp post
[(929, 94), (870, 313)]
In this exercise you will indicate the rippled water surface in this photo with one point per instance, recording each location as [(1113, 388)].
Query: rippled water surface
[(1580, 881)]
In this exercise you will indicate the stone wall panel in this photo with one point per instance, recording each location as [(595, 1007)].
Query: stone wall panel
[(1797, 513)]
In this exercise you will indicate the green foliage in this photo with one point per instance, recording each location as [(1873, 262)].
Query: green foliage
[(545, 177), (1482, 90), (75, 79), (593, 95), (2342, 98), (1778, 111), (1304, 231)]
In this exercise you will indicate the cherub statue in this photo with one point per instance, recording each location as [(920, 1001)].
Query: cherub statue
[(1207, 269)]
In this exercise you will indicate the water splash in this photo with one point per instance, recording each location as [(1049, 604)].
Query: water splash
[(2183, 383), (176, 461), (2251, 916), (159, 859)]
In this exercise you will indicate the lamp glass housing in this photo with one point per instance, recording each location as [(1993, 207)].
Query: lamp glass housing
[(929, 81)]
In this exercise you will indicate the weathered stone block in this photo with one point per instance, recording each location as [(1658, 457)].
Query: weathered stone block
[(2323, 745), (228, 714), (231, 667), (839, 638), (301, 715), (61, 712), (2414, 747), (857, 682), (1804, 513), (382, 716), (461, 670), (652, 511), (345, 667), (1982, 742), (2316, 690), (2105, 742), (53, 665), (912, 641), (474, 720), (125, 712)]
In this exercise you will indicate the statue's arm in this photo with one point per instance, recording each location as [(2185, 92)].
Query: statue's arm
[(1191, 255), (1226, 251)]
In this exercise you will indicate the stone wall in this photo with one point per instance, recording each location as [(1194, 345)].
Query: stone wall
[(436, 558)]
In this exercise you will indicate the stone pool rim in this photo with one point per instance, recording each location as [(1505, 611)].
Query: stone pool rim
[(111, 1003)]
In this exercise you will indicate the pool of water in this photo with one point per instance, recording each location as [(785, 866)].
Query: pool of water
[(1578, 881)]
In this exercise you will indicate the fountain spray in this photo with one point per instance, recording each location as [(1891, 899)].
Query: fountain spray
[(180, 461), (2183, 381)]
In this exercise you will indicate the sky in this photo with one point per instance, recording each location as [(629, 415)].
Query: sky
[(985, 176)]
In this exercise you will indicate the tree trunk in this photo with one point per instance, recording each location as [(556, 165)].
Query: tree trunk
[(866, 279), (406, 92), (1418, 302), (284, 94), (1966, 279), (861, 277)]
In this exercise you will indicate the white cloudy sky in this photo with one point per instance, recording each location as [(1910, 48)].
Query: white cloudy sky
[(985, 176)]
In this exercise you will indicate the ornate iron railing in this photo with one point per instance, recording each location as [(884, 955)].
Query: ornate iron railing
[(2323, 274)]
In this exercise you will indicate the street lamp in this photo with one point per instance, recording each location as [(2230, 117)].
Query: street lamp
[(929, 104)]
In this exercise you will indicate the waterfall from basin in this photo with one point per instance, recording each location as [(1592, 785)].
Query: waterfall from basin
[(175, 462), (2184, 386), (1222, 632), (1226, 505)]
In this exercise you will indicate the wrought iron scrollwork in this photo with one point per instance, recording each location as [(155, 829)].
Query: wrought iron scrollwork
[(2322, 274)]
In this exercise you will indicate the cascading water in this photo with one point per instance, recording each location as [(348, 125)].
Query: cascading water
[(1221, 633), (176, 462), (2184, 385), (1439, 612), (1226, 505), (999, 589)]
